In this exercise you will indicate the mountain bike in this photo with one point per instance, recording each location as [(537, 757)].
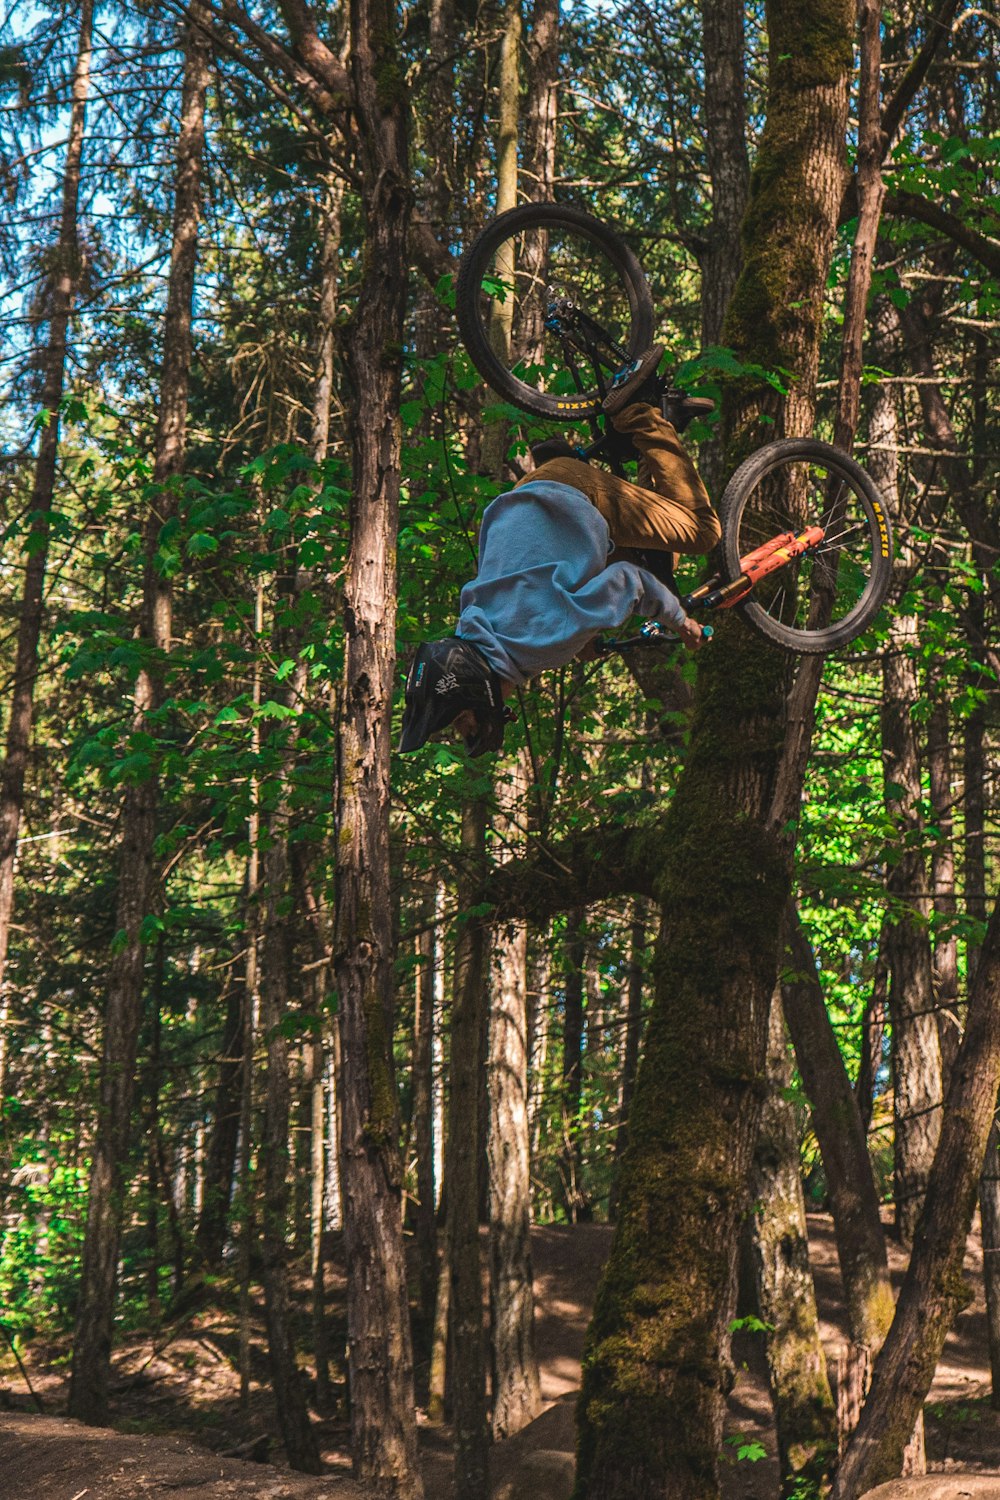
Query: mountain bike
[(551, 303)]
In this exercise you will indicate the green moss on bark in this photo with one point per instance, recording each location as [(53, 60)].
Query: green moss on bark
[(656, 1365), (776, 312)]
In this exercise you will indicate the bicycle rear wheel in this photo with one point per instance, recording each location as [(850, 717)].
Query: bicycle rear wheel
[(829, 595), (550, 302)]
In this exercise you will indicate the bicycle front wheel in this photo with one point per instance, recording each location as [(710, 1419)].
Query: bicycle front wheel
[(826, 597), (550, 302)]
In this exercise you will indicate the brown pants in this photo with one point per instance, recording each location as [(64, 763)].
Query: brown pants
[(668, 509)]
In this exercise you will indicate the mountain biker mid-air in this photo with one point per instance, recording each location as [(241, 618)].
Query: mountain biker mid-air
[(569, 552)]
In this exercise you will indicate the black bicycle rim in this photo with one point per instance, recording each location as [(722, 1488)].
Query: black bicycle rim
[(550, 303), (826, 598)]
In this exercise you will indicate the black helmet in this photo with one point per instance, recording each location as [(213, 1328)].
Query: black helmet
[(446, 677)]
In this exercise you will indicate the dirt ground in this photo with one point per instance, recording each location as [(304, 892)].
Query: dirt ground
[(177, 1408)]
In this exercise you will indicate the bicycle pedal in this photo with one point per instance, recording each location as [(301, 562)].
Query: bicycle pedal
[(680, 409)]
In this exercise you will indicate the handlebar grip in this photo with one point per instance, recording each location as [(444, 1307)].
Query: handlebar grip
[(708, 631)]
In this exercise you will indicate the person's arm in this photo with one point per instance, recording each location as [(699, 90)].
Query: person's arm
[(657, 602)]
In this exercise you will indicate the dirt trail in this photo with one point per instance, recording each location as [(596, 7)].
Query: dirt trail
[(190, 1392), (52, 1458)]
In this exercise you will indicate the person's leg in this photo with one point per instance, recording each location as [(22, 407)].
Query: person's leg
[(666, 469), (639, 517)]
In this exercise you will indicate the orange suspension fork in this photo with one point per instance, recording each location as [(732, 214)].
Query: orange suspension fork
[(756, 565)]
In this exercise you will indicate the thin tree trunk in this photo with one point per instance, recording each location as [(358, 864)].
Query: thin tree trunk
[(989, 1209), (872, 1036), (943, 883), (495, 435), (934, 1289), (88, 1395), (539, 1026), (575, 947), (438, 1095), (630, 1051), (729, 172), (220, 1163), (153, 1135), (65, 276), (916, 1055), (841, 1136), (380, 1360), (468, 1373), (516, 1388), (803, 1405), (541, 109), (317, 1206), (916, 1052), (275, 969), (251, 972), (728, 164), (422, 1125), (974, 841)]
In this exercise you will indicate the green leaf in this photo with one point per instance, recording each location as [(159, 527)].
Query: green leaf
[(201, 544)]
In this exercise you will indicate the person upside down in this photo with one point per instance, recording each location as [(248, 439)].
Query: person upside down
[(552, 574)]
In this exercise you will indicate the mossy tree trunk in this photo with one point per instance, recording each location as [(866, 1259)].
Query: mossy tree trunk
[(656, 1365)]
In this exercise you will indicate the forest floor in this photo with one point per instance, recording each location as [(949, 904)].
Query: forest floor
[(177, 1413)]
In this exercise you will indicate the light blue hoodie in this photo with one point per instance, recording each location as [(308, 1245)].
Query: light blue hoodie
[(545, 587)]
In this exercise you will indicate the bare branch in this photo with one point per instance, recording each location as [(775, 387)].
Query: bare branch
[(915, 206), (938, 29)]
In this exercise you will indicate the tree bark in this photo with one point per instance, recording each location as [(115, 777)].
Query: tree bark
[(541, 109), (220, 1163), (934, 1289), (728, 165), (839, 1130), (630, 1050), (803, 1405), (943, 883), (88, 1395), (62, 294), (575, 946), (916, 1053), (422, 1124), (989, 1209), (515, 1380), (516, 1388), (872, 1037), (383, 1426), (656, 1361), (317, 1205), (468, 1373), (275, 970)]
